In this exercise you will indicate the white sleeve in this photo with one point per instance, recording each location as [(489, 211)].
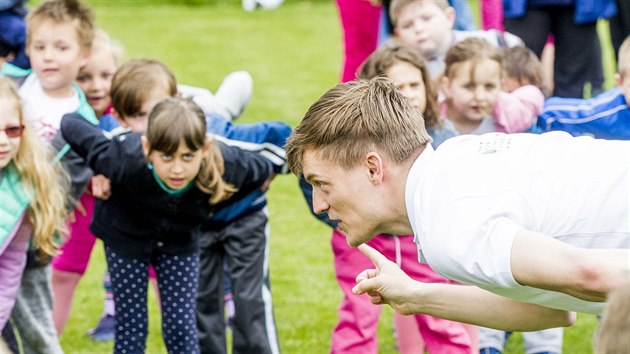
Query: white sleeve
[(470, 239)]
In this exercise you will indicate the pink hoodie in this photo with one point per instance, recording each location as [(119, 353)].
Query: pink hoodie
[(12, 262), (514, 112)]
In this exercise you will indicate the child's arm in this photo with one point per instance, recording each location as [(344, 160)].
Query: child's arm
[(245, 170), (91, 144), (515, 112), (605, 116), (267, 138)]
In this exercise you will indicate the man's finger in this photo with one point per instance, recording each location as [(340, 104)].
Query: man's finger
[(364, 286), (366, 274), (375, 256)]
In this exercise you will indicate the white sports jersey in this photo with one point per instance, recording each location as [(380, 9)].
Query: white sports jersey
[(467, 201)]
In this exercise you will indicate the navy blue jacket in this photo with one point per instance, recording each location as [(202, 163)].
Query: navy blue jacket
[(140, 216), (267, 139)]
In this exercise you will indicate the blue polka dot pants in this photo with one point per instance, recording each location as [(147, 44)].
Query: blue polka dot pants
[(178, 277)]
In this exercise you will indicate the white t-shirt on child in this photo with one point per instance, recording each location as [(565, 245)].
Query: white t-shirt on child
[(43, 112), (468, 199)]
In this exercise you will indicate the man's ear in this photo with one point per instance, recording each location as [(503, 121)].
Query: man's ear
[(618, 79), (145, 145), (375, 166)]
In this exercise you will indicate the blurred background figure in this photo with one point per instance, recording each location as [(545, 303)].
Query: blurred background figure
[(251, 5)]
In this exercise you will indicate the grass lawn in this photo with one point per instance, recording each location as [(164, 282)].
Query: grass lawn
[(294, 55)]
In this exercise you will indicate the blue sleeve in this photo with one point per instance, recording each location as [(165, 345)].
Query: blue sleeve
[(264, 132), (108, 123), (605, 116), (266, 138)]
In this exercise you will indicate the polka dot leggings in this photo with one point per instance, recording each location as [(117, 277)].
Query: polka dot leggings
[(178, 277)]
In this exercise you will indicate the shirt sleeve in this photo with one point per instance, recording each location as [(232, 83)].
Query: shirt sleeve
[(471, 240)]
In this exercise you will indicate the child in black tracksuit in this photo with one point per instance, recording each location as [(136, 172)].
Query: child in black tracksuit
[(164, 184)]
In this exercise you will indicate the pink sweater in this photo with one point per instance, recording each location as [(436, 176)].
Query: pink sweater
[(12, 262), (516, 111)]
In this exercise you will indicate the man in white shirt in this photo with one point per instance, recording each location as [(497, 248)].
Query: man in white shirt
[(539, 225)]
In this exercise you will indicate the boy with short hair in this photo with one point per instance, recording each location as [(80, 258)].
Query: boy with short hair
[(605, 116), (429, 25), (59, 39)]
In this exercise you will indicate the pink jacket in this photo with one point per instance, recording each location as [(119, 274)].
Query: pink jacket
[(516, 111), (12, 262)]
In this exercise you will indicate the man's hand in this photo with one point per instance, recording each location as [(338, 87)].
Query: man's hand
[(387, 284), (101, 188)]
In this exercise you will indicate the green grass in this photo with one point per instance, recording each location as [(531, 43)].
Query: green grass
[(294, 55)]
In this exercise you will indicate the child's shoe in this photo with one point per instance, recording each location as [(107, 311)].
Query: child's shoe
[(104, 330)]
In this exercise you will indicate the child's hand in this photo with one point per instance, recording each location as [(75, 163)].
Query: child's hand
[(78, 208), (265, 186), (101, 188)]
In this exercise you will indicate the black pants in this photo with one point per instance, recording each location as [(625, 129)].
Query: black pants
[(620, 25), (243, 244), (578, 58)]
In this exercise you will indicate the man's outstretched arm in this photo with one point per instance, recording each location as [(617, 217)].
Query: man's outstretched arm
[(589, 274), (387, 284)]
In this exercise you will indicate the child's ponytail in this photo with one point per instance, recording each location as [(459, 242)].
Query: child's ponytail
[(210, 178)]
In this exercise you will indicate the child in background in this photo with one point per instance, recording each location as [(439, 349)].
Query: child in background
[(70, 264), (404, 64), (473, 100), (32, 195), (606, 116), (237, 231), (59, 40), (156, 207), (13, 33), (429, 25), (521, 67)]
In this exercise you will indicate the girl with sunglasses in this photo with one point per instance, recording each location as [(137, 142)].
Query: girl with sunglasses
[(33, 198)]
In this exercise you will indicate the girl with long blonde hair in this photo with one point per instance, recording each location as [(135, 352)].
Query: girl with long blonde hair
[(32, 193)]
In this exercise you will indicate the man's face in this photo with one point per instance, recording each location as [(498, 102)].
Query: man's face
[(56, 56), (427, 26), (346, 195)]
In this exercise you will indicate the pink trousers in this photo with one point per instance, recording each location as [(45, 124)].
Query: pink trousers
[(358, 317), (359, 22)]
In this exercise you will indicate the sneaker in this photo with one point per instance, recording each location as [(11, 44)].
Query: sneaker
[(104, 330)]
